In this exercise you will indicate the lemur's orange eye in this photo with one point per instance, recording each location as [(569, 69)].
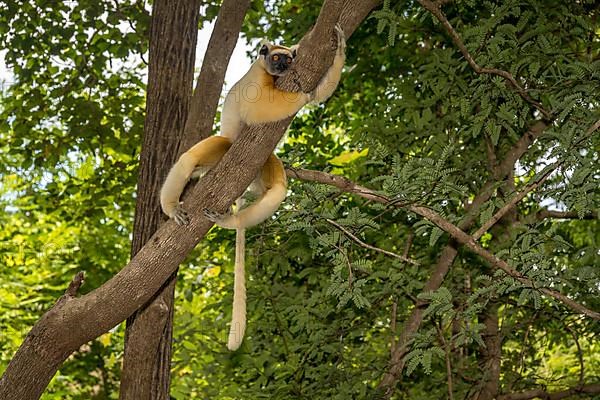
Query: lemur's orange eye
[(289, 60), (275, 57)]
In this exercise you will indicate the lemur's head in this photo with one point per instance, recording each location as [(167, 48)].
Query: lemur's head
[(276, 60)]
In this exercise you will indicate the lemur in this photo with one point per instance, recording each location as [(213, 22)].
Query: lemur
[(253, 100)]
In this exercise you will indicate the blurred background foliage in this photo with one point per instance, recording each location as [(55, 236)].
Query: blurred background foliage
[(410, 118)]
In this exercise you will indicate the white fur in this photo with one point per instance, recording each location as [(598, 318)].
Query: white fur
[(238, 314)]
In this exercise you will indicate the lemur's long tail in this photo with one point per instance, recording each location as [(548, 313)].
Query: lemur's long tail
[(238, 315)]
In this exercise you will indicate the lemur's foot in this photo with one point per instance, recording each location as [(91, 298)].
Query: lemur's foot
[(180, 215), (214, 216)]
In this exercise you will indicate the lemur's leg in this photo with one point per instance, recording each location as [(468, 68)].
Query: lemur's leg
[(202, 155)]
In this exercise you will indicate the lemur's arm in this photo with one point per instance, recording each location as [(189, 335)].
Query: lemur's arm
[(330, 81), (255, 99)]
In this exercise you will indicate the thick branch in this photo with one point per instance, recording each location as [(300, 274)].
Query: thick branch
[(592, 388), (147, 356), (445, 260), (507, 165), (490, 354), (456, 233), (501, 171), (518, 149), (145, 373), (314, 59), (449, 253), (543, 214)]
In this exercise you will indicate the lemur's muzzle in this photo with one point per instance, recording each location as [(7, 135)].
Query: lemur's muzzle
[(281, 66)]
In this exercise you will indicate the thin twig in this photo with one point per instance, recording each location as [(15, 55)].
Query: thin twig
[(579, 354), (491, 155), (408, 244), (448, 360), (393, 341), (393, 326), (593, 128), (368, 246), (523, 348), (434, 9), (279, 325), (349, 264)]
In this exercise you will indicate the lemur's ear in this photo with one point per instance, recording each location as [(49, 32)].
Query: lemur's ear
[(264, 48), (294, 50)]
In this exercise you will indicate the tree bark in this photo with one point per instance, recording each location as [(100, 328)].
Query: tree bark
[(173, 35), (74, 321)]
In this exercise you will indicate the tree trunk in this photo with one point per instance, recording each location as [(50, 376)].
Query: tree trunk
[(490, 354), (147, 358), (173, 36)]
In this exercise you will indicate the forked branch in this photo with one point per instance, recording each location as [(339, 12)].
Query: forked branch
[(456, 233)]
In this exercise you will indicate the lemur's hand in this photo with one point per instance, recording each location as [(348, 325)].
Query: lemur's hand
[(341, 39), (180, 215)]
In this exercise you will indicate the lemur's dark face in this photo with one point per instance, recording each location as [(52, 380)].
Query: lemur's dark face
[(277, 59)]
